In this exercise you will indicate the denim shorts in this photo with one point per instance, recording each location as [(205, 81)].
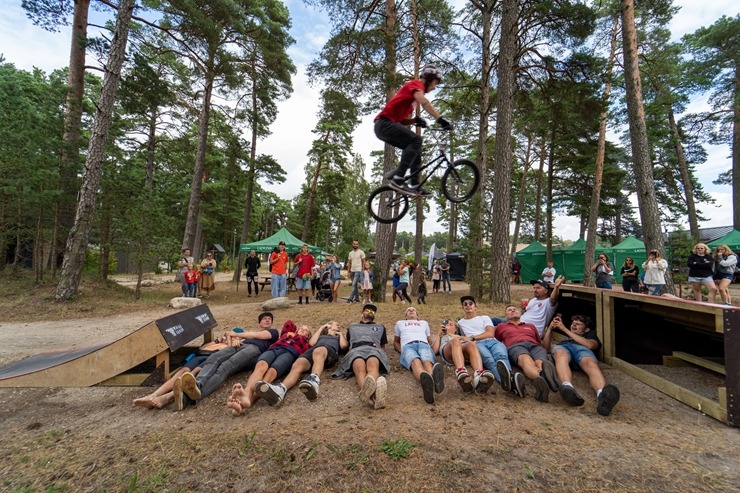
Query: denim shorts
[(702, 280), (301, 283), (718, 276), (416, 349), (576, 353)]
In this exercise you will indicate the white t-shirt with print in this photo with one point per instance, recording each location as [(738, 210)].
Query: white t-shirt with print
[(412, 330), (539, 313)]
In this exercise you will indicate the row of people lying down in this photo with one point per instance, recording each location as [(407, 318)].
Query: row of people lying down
[(472, 339)]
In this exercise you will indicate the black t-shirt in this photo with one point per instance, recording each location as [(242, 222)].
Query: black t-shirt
[(630, 270), (263, 344), (590, 335)]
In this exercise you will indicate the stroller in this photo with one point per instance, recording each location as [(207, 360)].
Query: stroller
[(324, 289)]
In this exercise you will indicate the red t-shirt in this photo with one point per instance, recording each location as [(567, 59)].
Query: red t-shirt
[(510, 333), (402, 104), (307, 263)]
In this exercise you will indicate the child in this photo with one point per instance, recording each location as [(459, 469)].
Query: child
[(192, 276), (367, 282), (422, 293)]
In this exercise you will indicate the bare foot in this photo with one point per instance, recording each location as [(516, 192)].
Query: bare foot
[(149, 402), (238, 401)]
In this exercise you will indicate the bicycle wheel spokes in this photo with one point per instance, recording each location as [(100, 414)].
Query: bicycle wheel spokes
[(461, 180), (387, 205)]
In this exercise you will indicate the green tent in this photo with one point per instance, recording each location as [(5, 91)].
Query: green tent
[(292, 244), (731, 239), (533, 260), (630, 247), (571, 266)]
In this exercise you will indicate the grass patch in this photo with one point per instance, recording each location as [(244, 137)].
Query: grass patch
[(397, 449)]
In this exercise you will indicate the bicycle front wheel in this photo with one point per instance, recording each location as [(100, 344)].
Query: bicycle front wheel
[(461, 180), (387, 205)]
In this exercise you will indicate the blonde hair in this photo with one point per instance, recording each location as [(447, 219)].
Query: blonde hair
[(699, 245), (728, 251)]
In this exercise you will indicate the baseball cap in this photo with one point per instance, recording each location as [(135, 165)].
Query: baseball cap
[(465, 298), (542, 283)]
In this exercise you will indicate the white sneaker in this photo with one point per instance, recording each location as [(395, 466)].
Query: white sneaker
[(273, 394), (310, 387)]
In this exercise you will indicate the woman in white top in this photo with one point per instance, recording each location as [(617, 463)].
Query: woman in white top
[(654, 268)]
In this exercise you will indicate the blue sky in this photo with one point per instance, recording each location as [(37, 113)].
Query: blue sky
[(28, 46)]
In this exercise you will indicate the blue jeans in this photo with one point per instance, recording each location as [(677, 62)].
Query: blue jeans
[(491, 351), (576, 353), (277, 285), (192, 288), (654, 289), (355, 295), (604, 285), (414, 350), (446, 282)]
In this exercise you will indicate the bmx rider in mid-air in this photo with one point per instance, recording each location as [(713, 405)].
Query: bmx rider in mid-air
[(391, 126)]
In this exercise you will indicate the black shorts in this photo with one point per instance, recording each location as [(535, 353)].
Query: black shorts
[(331, 356)]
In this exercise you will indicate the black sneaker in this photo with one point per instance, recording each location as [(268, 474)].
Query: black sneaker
[(505, 374), (541, 389), (438, 374), (570, 395), (518, 384), (427, 386), (548, 373), (607, 400)]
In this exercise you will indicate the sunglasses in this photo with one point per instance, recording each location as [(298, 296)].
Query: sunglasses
[(468, 303)]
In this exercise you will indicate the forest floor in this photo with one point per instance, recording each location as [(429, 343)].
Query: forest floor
[(93, 439)]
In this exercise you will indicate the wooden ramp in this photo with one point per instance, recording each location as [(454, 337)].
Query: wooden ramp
[(93, 365)]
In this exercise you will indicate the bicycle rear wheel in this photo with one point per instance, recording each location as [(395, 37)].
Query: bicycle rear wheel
[(387, 205), (461, 180)]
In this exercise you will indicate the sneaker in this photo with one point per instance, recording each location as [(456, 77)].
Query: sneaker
[(505, 374), (381, 392), (418, 191), (518, 384), (548, 372), (393, 174), (570, 395), (485, 381), (310, 387), (438, 374), (273, 394), (368, 389), (427, 387), (608, 398), (541, 389), (177, 391), (398, 184), (190, 386), (464, 380)]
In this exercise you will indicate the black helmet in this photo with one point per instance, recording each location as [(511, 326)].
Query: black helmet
[(430, 72)]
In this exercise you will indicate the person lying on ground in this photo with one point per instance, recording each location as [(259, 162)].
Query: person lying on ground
[(166, 393), (456, 350), (326, 345), (413, 341), (523, 343), (272, 364), (577, 352), (241, 355), (367, 359)]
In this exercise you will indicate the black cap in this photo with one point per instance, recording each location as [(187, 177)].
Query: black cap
[(263, 315), (281, 243), (370, 306), (465, 298), (542, 283)]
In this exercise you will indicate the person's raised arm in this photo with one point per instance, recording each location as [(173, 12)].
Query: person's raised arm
[(556, 290)]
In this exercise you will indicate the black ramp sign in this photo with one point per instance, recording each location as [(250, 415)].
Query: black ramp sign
[(184, 326)]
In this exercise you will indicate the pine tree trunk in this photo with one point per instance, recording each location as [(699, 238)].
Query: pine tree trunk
[(593, 210), (736, 152), (500, 267), (683, 168), (520, 200), (538, 194), (74, 255), (646, 198)]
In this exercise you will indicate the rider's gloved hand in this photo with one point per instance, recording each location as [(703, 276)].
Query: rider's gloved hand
[(420, 122), (444, 123)]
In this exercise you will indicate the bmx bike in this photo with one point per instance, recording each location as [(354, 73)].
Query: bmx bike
[(460, 180)]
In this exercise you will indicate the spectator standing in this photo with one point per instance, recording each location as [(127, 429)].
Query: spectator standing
[(630, 276), (403, 281), (208, 277), (279, 263), (367, 282), (252, 265), (445, 273), (422, 291), (305, 263), (183, 265), (724, 271), (654, 268), (548, 274), (435, 277), (604, 271), (355, 261), (336, 276), (701, 271)]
